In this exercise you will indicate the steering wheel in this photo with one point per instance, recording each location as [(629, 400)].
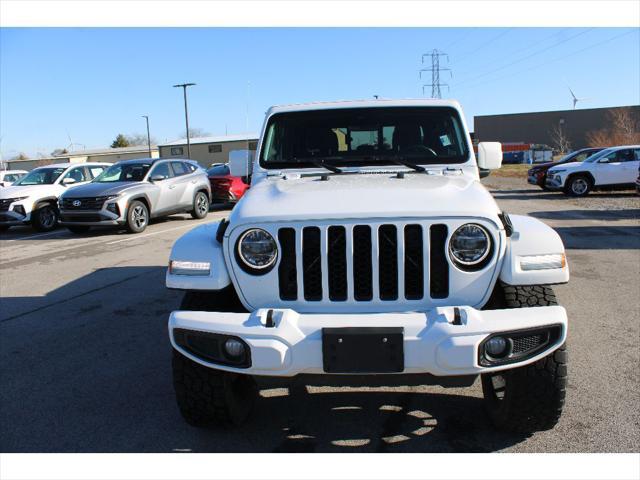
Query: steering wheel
[(421, 149)]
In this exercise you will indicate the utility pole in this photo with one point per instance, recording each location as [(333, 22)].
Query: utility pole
[(435, 73), (186, 113), (148, 134)]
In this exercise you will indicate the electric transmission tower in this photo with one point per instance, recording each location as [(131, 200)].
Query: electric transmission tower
[(435, 73)]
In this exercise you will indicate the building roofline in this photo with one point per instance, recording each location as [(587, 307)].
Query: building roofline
[(567, 112)]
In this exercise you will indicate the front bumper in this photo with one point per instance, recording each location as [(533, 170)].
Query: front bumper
[(90, 218), (10, 218), (554, 182), (436, 342)]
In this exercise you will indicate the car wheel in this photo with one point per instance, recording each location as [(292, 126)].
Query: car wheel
[(200, 205), (137, 217), (578, 186), (78, 228), (45, 217), (530, 398)]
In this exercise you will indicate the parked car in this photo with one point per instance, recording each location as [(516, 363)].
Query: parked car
[(34, 198), (8, 177), (131, 192), (537, 175), (225, 187), (638, 182), (612, 168), (366, 246)]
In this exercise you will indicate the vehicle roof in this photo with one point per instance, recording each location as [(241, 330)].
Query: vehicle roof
[(381, 102)]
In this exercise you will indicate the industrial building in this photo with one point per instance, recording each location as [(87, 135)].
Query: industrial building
[(209, 150), (539, 127), (110, 155)]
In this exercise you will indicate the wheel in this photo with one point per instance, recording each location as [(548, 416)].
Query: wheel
[(45, 217), (529, 398), (78, 228), (137, 217), (578, 186), (208, 397), (200, 205)]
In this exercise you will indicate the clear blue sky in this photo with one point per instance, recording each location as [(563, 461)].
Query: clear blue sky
[(96, 82)]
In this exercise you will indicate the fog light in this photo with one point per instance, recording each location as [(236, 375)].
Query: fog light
[(19, 209), (234, 348), (496, 347), (177, 267)]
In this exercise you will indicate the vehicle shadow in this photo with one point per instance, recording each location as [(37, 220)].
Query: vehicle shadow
[(600, 238), (87, 368), (625, 214)]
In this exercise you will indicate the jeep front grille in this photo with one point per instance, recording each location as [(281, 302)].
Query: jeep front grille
[(385, 262)]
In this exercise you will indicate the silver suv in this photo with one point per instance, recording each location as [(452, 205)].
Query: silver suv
[(131, 192)]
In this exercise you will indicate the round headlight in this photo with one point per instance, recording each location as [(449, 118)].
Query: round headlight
[(257, 249), (469, 244)]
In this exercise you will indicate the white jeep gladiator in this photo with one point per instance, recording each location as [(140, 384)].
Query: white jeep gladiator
[(365, 249)]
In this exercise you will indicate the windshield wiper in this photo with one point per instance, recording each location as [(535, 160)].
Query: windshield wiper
[(331, 168), (400, 161)]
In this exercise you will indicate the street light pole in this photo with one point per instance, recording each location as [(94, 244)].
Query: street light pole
[(186, 113), (148, 134)]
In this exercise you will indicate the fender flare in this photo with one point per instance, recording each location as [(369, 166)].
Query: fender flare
[(532, 237), (583, 173), (200, 245)]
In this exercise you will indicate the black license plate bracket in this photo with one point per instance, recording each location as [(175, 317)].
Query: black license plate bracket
[(363, 350)]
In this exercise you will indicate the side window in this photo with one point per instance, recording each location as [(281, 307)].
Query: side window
[(95, 171), (179, 168), (162, 169), (636, 154), (78, 174), (625, 155), (177, 150)]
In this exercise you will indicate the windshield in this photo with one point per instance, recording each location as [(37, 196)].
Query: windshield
[(364, 136), (125, 172), (599, 155), (41, 176)]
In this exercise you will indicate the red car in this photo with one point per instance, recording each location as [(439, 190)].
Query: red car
[(226, 188)]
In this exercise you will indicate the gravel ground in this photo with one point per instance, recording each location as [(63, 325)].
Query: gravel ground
[(84, 354)]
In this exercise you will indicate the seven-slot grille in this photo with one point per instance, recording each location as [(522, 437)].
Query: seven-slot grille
[(387, 262), (86, 203)]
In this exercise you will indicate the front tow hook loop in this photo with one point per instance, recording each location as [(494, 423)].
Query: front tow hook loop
[(457, 318), (269, 322)]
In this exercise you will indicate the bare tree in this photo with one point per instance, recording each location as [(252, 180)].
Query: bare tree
[(20, 156), (624, 129), (196, 133), (137, 139), (560, 140), (59, 151)]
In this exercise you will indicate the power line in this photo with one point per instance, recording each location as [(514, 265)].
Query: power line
[(489, 42), (538, 52), (544, 64), (435, 73)]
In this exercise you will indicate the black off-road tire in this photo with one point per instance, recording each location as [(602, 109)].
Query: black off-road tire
[(201, 205), (207, 397), (137, 217), (44, 217), (573, 191), (530, 398), (78, 228)]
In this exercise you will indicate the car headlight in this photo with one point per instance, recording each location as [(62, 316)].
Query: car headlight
[(470, 245), (257, 251), (17, 199), (553, 172)]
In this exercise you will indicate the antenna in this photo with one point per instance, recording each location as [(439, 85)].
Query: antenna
[(435, 73)]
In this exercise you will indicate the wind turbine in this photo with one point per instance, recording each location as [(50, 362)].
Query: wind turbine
[(70, 147), (575, 99)]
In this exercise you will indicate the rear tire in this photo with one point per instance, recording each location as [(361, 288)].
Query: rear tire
[(137, 217), (530, 398), (207, 397), (45, 217), (200, 205), (78, 228), (578, 186)]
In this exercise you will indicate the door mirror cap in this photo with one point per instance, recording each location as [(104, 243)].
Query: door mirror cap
[(157, 178), (240, 162), (68, 181), (489, 155)]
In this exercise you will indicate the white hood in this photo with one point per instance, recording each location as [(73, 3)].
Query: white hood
[(39, 191), (365, 196), (566, 166)]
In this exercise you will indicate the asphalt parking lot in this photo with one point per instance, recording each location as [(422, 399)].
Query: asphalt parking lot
[(85, 359)]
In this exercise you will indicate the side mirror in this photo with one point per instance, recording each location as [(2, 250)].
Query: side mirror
[(240, 162), (489, 155), (157, 178), (68, 181)]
